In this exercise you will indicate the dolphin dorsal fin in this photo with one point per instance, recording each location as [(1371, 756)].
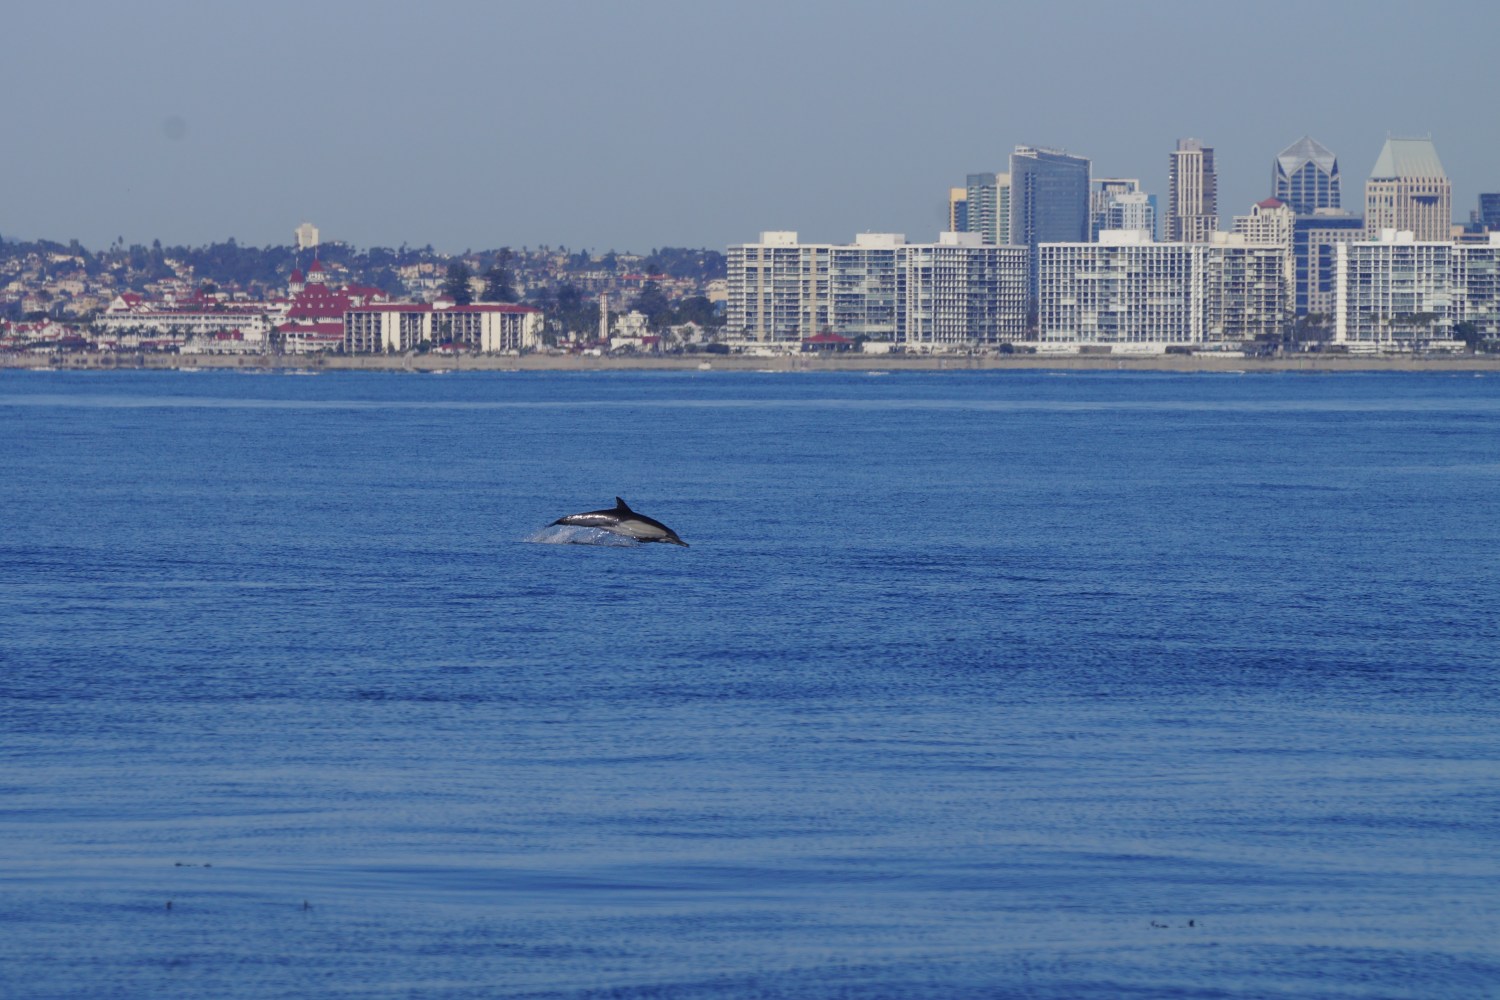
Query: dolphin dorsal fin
[(620, 504)]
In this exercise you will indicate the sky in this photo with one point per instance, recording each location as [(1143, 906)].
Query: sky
[(472, 124)]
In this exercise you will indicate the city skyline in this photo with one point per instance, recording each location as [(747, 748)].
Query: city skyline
[(631, 128)]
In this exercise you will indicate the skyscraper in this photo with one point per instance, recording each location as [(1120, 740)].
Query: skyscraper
[(1192, 193), (1487, 216), (958, 210), (1306, 177), (988, 197), (1119, 203), (1408, 190), (1049, 200), (1315, 240)]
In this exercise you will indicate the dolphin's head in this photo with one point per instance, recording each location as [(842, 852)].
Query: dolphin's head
[(672, 537)]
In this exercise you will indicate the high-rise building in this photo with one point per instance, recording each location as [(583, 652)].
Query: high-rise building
[(1049, 201), (1245, 290), (959, 292), (1408, 191), (1119, 203), (1394, 291), (950, 294), (1122, 289), (307, 236), (988, 197), (1306, 176), (1126, 289), (958, 210), (1487, 216), (1399, 292), (1270, 222), (1477, 286), (1192, 193), (1131, 211), (1315, 239)]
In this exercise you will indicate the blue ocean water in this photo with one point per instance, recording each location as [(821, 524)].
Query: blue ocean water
[(971, 685)]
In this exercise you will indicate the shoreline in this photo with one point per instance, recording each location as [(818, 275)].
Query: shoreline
[(85, 361)]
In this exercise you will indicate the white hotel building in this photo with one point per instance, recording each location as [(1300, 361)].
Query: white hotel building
[(1127, 290), (1401, 293), (953, 294), (387, 328)]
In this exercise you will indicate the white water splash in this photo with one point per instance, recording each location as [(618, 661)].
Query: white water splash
[(564, 534)]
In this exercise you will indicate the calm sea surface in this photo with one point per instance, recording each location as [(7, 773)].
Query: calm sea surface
[(970, 685)]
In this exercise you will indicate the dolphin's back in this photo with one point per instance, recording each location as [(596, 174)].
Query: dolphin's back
[(621, 520)]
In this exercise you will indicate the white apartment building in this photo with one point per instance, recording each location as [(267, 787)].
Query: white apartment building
[(1119, 203), (1402, 293), (950, 294), (1246, 289), (186, 323), (1126, 289), (960, 291), (1271, 222), (398, 327), (1476, 281), (1134, 210)]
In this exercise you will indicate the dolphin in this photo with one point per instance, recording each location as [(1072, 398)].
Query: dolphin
[(621, 520)]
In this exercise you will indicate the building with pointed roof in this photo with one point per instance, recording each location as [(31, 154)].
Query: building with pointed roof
[(1409, 191), (1306, 176)]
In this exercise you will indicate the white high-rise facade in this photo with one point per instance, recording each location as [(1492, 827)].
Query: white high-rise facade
[(987, 207), (306, 236), (1119, 203), (950, 294), (1126, 289), (1192, 193), (1401, 292), (1271, 222)]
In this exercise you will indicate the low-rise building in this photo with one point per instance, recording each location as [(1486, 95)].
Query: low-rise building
[(398, 327)]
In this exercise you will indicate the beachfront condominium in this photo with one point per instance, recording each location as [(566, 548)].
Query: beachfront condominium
[(1305, 176), (397, 327), (1126, 289), (1192, 193), (988, 207), (1409, 192), (954, 293), (1270, 222), (1402, 292)]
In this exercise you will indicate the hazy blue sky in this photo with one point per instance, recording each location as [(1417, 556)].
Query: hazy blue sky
[(636, 125)]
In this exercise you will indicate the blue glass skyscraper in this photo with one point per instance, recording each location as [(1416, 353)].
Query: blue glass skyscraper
[(1049, 200), (1306, 176)]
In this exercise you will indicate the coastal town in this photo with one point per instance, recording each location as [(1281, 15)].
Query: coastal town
[(1046, 259), (316, 299)]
